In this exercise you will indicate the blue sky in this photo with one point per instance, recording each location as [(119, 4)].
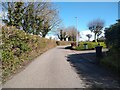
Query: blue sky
[(87, 11)]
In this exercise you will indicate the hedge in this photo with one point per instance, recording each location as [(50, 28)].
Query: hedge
[(19, 48), (91, 45)]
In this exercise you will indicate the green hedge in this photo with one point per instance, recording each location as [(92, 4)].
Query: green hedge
[(19, 47), (90, 45), (112, 61), (112, 34)]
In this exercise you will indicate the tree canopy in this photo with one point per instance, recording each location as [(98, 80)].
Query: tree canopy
[(69, 32), (89, 36), (33, 17), (96, 27), (112, 35)]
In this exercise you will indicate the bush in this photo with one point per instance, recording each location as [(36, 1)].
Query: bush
[(90, 45), (112, 61), (112, 35), (58, 42), (73, 44)]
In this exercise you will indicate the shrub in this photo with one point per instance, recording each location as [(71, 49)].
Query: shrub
[(58, 42), (112, 61), (90, 45), (73, 44), (112, 35)]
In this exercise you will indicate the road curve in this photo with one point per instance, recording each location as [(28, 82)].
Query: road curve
[(50, 70)]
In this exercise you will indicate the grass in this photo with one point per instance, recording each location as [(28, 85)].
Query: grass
[(112, 61)]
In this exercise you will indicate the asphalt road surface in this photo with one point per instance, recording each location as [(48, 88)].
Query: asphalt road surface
[(50, 70), (62, 68)]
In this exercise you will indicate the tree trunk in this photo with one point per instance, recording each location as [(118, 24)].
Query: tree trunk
[(43, 35), (95, 38), (88, 39)]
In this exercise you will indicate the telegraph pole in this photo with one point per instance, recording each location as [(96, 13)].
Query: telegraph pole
[(77, 32)]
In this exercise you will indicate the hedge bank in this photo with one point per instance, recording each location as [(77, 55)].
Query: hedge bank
[(19, 48)]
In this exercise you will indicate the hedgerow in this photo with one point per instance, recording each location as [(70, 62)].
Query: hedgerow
[(19, 47), (90, 45), (112, 35)]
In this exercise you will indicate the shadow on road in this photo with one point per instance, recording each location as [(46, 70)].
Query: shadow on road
[(64, 47), (92, 73)]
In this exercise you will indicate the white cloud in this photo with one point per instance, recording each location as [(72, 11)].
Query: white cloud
[(83, 35), (52, 37)]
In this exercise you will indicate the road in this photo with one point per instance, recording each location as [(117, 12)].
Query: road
[(50, 70), (62, 68)]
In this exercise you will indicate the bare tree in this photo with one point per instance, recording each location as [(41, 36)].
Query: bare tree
[(99, 33), (72, 32), (47, 12), (96, 27), (69, 32), (62, 34), (89, 36)]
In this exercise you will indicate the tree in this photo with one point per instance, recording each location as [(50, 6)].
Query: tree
[(69, 32), (99, 33), (89, 36), (62, 35), (72, 33), (15, 14), (112, 35), (33, 17), (18, 14), (102, 39), (51, 19), (96, 27), (9, 7), (29, 18)]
